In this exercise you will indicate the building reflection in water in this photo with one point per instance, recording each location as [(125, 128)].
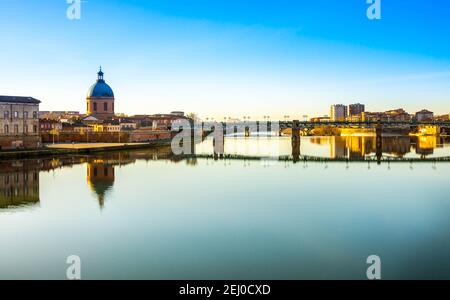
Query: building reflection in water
[(425, 145), (359, 147), (100, 177), (19, 180), (19, 184), (101, 169)]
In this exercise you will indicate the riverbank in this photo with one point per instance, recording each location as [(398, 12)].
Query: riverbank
[(360, 132), (74, 149)]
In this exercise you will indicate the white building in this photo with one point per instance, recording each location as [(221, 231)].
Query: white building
[(338, 113)]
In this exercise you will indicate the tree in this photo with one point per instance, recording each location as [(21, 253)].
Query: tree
[(193, 116)]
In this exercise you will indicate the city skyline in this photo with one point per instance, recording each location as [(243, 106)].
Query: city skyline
[(229, 59)]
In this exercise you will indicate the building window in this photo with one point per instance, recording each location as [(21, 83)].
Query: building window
[(95, 106), (105, 106), (16, 115), (35, 114), (16, 129), (25, 115), (6, 129), (34, 129), (25, 129), (6, 114)]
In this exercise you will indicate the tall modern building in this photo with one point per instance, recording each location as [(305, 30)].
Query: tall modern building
[(19, 122), (338, 113), (100, 99), (356, 109)]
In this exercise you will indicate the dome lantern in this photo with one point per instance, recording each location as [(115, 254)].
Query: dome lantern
[(100, 74)]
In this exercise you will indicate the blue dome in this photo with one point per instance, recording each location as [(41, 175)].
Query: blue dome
[(100, 88)]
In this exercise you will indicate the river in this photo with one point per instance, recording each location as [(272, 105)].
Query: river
[(146, 214)]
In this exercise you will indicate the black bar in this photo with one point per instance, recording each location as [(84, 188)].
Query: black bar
[(229, 289)]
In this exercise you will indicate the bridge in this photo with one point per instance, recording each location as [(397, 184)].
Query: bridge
[(308, 124), (363, 124), (296, 126), (250, 127)]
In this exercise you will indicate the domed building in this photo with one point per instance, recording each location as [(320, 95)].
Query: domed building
[(100, 99)]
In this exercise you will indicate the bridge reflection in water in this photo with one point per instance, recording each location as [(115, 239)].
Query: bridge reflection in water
[(334, 148)]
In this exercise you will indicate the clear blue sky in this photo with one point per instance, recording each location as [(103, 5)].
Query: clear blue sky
[(229, 57)]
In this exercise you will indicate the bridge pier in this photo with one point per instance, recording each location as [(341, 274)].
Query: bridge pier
[(219, 142), (296, 141), (192, 137), (379, 143), (247, 131), (295, 130)]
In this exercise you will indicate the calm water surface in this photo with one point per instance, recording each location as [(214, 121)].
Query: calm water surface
[(149, 215)]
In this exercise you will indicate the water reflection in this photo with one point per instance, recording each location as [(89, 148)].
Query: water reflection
[(19, 180), (19, 184), (336, 147), (356, 148), (100, 176), (360, 147), (101, 168)]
